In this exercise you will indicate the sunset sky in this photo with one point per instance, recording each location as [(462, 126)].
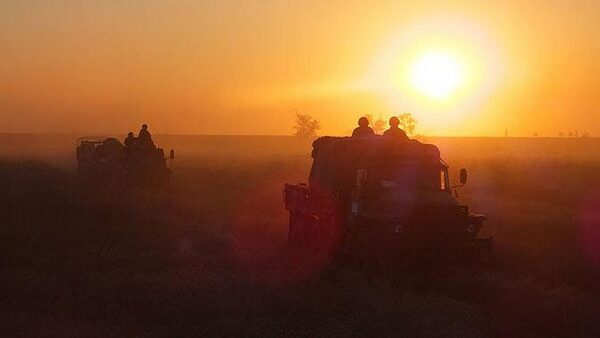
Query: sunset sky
[(243, 67)]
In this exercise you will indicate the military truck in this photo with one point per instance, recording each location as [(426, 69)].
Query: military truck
[(381, 196), (104, 160)]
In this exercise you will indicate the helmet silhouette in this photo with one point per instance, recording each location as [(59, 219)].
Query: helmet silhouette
[(363, 122)]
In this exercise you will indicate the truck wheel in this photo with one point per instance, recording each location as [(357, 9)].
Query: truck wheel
[(364, 255), (487, 252), (298, 230), (293, 229), (478, 252)]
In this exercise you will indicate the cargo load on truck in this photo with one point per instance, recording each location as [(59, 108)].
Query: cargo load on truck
[(337, 158), (106, 161)]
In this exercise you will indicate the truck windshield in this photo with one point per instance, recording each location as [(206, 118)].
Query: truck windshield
[(431, 178)]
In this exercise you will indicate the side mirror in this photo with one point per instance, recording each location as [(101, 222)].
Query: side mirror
[(172, 154), (463, 176)]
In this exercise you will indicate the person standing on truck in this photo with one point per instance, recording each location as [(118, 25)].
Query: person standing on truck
[(363, 128), (144, 139), (394, 130)]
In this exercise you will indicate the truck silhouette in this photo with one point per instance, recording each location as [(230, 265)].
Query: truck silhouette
[(104, 160), (380, 196)]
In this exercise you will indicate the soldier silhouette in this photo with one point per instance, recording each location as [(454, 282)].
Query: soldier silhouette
[(394, 130), (144, 139), (129, 140), (363, 128)]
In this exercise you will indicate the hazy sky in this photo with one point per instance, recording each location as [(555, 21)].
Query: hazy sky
[(244, 67)]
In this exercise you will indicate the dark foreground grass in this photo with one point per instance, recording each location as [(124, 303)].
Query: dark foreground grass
[(208, 258)]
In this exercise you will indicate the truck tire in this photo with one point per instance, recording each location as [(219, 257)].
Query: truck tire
[(298, 230)]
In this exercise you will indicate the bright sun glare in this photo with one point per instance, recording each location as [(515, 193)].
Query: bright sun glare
[(437, 75)]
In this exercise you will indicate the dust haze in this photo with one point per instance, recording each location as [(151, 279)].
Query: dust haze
[(209, 257)]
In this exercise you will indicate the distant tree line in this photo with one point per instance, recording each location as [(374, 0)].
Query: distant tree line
[(560, 134), (576, 134)]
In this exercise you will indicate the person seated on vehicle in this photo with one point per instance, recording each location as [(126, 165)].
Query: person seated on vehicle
[(130, 144), (363, 128), (130, 140), (144, 139), (394, 130)]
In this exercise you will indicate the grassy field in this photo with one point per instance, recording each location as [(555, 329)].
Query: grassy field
[(208, 257)]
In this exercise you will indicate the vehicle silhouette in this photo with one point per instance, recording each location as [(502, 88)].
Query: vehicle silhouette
[(378, 197), (104, 160)]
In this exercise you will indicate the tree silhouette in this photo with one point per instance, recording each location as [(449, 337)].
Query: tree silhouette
[(407, 123), (379, 125), (306, 125)]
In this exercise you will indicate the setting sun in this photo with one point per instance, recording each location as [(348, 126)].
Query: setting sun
[(436, 75)]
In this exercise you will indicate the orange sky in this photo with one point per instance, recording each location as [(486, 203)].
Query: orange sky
[(243, 67)]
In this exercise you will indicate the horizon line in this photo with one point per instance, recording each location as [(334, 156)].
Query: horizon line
[(282, 135)]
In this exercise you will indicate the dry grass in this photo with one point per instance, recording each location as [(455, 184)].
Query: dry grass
[(208, 257)]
